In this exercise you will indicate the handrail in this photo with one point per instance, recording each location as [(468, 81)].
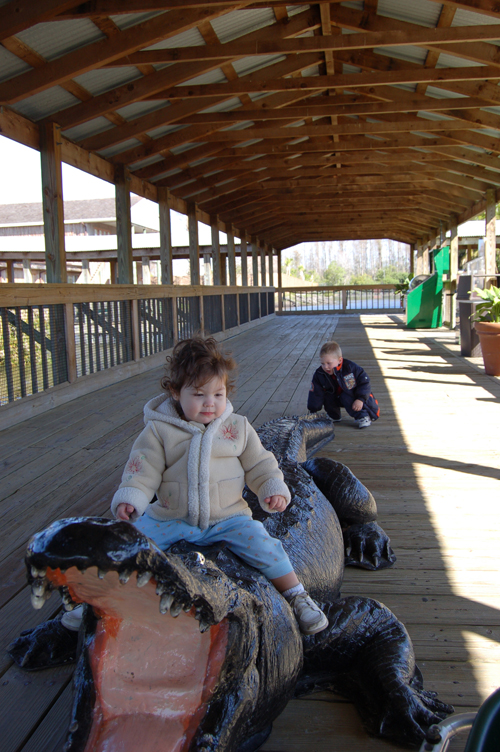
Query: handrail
[(372, 298), (54, 334), (19, 294)]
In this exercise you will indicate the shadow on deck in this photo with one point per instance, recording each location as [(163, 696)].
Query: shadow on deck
[(430, 461)]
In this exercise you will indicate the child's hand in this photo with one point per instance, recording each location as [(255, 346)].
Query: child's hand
[(357, 405), (123, 511), (276, 502)]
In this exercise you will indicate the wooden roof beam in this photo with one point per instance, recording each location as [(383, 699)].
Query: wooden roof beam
[(447, 38)]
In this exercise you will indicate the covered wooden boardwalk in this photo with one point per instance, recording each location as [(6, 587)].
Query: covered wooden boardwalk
[(431, 462)]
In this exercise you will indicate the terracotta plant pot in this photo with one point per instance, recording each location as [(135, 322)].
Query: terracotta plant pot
[(489, 337)]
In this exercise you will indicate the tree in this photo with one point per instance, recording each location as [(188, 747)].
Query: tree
[(334, 274)]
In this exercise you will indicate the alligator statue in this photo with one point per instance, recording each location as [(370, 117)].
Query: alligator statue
[(195, 651)]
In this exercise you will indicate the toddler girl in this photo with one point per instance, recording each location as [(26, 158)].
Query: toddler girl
[(196, 455)]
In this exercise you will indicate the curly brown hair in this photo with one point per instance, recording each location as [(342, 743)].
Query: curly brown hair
[(196, 361)]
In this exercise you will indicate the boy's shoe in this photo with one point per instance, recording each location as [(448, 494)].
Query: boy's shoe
[(310, 617), (364, 422), (335, 420)]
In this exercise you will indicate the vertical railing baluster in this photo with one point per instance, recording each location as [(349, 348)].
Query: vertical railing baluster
[(20, 352), (7, 351), (89, 339), (45, 368), (97, 337), (104, 315), (31, 335)]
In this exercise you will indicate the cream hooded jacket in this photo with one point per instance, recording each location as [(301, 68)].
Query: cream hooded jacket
[(197, 472)]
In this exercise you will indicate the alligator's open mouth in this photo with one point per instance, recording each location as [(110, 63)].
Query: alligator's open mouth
[(153, 674), (157, 639)]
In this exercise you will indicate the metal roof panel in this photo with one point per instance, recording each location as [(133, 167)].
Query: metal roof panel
[(240, 22), (45, 103), (51, 40), (421, 12), (11, 65), (104, 79)]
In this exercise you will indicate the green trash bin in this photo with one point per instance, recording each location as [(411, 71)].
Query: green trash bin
[(424, 303)]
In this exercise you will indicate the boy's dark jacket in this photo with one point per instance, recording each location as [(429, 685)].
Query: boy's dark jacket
[(350, 379)]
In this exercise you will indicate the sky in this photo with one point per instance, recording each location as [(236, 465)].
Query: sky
[(21, 180)]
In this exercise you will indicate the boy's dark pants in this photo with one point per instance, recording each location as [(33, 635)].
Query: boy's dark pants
[(333, 403)]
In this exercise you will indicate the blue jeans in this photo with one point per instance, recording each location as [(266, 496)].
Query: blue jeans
[(245, 537)]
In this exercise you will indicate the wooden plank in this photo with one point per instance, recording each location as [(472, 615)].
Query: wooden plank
[(435, 493)]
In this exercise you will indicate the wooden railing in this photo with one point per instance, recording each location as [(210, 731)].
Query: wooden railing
[(339, 298), (53, 334)]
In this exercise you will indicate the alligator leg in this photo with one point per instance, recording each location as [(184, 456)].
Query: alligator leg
[(366, 654), (366, 544)]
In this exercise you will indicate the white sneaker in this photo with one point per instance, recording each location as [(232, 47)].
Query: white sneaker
[(310, 617), (72, 619), (364, 422)]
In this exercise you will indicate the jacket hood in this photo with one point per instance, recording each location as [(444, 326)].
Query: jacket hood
[(163, 408)]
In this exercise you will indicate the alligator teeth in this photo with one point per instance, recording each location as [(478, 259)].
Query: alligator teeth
[(37, 601), (143, 579), (160, 588), (38, 572), (165, 602), (175, 609), (187, 607), (124, 577), (69, 605), (66, 597), (204, 625), (101, 573), (38, 588)]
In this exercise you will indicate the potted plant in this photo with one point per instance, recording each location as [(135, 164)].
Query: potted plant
[(487, 324)]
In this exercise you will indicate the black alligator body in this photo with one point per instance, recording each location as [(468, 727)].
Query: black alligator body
[(193, 650)]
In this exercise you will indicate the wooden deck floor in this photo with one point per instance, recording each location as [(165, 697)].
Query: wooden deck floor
[(432, 462)]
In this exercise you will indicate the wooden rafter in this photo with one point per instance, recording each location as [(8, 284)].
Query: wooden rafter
[(288, 129)]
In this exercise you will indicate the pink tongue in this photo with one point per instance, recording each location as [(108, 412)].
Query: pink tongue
[(139, 732)]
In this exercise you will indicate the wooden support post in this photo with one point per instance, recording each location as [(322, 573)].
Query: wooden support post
[(223, 269), (426, 268), (70, 342), (490, 244), (113, 271), (263, 265), (175, 325), (412, 260), (194, 246), (255, 263), (52, 197), (85, 276), (202, 313), (223, 313), (123, 226), (27, 276), (452, 286), (244, 258), (136, 331), (420, 257), (216, 258), (146, 271), (271, 264), (138, 272), (206, 274), (231, 256), (280, 283), (167, 274), (10, 271)]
